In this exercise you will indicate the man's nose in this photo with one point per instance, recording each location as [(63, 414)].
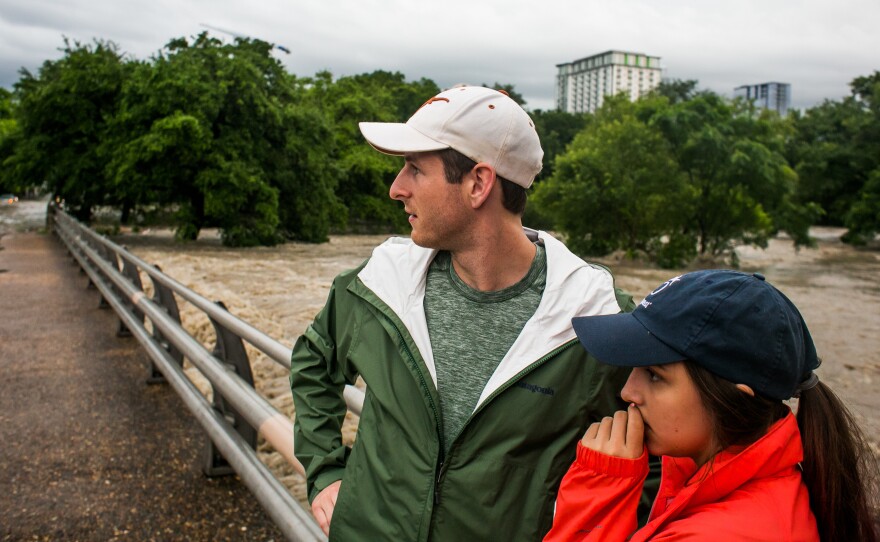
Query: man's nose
[(398, 191)]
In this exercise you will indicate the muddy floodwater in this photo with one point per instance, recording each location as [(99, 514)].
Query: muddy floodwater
[(280, 289)]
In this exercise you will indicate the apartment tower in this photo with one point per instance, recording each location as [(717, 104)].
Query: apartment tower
[(582, 85), (775, 96)]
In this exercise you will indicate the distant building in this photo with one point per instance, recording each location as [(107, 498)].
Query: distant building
[(775, 96), (581, 86)]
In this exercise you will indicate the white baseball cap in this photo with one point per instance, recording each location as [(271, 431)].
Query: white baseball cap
[(481, 123)]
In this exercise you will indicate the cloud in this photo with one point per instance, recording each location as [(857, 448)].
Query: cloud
[(816, 46)]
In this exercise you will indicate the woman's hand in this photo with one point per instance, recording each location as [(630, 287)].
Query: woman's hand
[(620, 436)]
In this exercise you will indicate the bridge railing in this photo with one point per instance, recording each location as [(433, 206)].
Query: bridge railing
[(237, 412)]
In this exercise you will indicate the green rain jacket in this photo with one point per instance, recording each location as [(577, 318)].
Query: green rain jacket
[(500, 477)]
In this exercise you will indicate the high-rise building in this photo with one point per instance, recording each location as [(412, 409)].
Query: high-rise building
[(582, 85), (775, 96)]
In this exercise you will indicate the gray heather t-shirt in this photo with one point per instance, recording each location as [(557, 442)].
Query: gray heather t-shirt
[(471, 331)]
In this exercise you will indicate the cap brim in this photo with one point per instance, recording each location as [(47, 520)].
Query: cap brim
[(620, 339), (397, 138)]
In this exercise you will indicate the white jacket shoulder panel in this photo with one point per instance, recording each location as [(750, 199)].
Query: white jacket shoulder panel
[(396, 273)]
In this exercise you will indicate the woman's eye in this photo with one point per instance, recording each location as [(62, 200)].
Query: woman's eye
[(652, 376)]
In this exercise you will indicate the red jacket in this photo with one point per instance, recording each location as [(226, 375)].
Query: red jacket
[(752, 493)]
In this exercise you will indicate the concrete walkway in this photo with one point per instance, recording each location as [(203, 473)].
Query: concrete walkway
[(88, 450)]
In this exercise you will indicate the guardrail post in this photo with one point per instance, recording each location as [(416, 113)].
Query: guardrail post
[(164, 297), (111, 258), (130, 271), (230, 350), (107, 254), (50, 217)]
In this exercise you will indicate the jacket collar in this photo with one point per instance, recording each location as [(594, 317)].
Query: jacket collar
[(683, 486), (398, 269)]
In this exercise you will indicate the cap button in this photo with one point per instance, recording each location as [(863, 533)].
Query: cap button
[(758, 276)]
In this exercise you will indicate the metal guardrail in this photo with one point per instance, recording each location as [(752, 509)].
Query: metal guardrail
[(237, 411)]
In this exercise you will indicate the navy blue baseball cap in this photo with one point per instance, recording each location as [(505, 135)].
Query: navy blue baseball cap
[(733, 324)]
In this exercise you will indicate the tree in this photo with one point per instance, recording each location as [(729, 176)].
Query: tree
[(863, 217), (741, 183), (366, 175), (8, 135), (677, 90), (6, 120), (62, 117), (834, 150), (556, 130), (674, 180), (217, 131), (827, 162), (613, 186)]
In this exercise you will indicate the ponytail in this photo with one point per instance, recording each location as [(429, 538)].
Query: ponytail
[(838, 468)]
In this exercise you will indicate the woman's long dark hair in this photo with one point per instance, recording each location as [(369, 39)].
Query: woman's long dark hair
[(839, 469)]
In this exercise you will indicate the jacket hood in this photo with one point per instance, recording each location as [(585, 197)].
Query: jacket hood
[(398, 269)]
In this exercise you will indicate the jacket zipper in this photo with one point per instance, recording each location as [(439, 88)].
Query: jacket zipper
[(427, 393), (425, 390), (510, 382)]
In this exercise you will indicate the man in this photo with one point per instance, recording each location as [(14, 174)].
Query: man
[(477, 390)]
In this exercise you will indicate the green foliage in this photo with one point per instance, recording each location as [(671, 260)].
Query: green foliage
[(9, 133), (827, 162), (219, 131), (62, 117), (863, 217), (556, 130), (674, 180), (197, 127), (5, 104), (733, 161), (366, 175), (676, 90), (611, 189), (835, 152)]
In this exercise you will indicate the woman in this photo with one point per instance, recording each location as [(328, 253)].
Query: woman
[(714, 355)]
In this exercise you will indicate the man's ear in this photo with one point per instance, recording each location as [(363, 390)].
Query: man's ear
[(479, 183)]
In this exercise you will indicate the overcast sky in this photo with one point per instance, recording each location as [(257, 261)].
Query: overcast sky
[(818, 46)]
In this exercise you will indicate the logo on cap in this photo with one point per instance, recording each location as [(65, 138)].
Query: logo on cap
[(666, 284)]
